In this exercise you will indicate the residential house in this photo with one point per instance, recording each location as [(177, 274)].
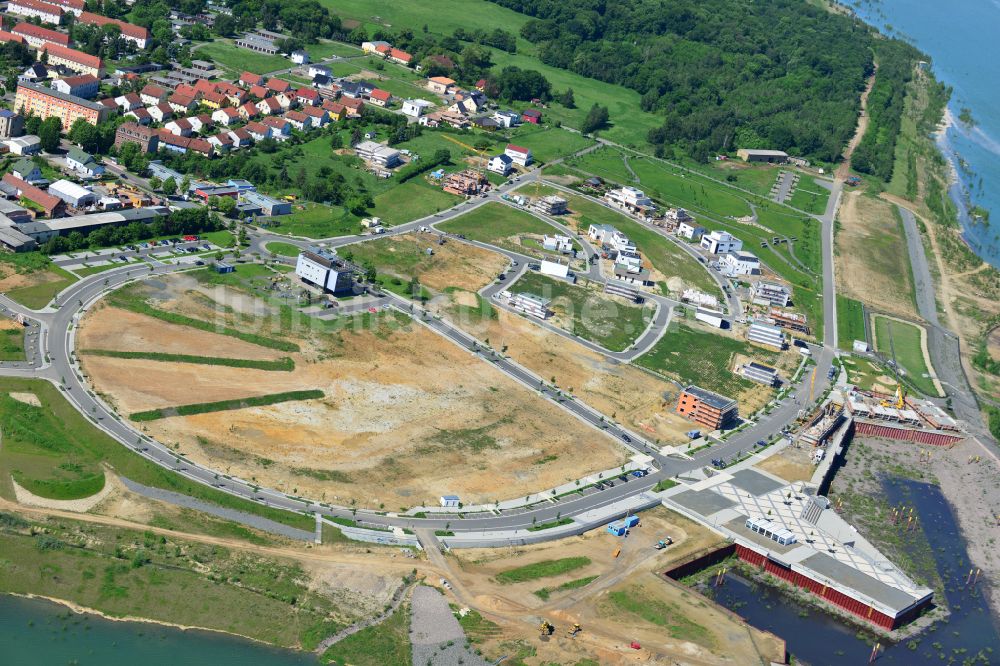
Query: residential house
[(84, 163), (214, 100), (740, 262), (128, 102), (151, 95), (501, 164), (690, 230), (533, 116), (721, 242), (631, 200), (84, 85), (299, 57), (181, 103), (318, 70), (11, 124), (221, 141), (36, 73), (507, 119), (519, 154), (227, 116), (47, 103), (441, 85), (380, 97), (298, 120), (258, 131), (51, 206), (285, 99), (241, 137), (249, 111), (259, 92), (161, 112), (278, 85), (353, 107), (43, 11), (141, 116), (269, 106), (133, 132), (6, 37), (78, 61), (415, 107), (248, 79), (133, 33), (400, 57), (377, 154), (336, 110), (373, 46), (27, 170), (307, 96), (281, 129), (317, 117), (179, 127)]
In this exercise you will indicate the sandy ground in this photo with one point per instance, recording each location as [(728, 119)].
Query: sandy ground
[(77, 506), (453, 264), (407, 416), (631, 396), (114, 329), (607, 631), (969, 486), (12, 281), (791, 464), (865, 269), (26, 398)]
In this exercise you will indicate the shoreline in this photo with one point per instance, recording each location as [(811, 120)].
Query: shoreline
[(86, 610)]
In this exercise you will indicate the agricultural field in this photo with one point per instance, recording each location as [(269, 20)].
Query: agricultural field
[(497, 224), (707, 359), (587, 312), (400, 403), (910, 344)]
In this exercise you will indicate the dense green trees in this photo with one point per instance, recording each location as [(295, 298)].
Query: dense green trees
[(781, 74), (178, 222)]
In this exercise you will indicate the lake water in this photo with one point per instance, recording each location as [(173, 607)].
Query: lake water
[(969, 635), (960, 36), (35, 632)]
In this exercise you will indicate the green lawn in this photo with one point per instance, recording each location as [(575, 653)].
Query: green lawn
[(493, 223), (850, 321), (233, 57), (590, 315), (221, 238), (12, 344), (384, 644), (545, 592), (38, 296), (810, 196), (284, 364), (314, 221), (414, 199), (398, 80), (543, 569), (225, 405), (704, 359), (909, 354), (551, 143), (326, 49), (54, 443), (283, 249), (636, 601)]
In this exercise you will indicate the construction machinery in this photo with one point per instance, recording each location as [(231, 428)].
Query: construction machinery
[(574, 631), (545, 629), (664, 542)]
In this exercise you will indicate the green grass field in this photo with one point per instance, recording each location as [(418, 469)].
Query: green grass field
[(548, 144), (635, 601), (546, 592), (384, 644), (493, 223), (810, 196), (701, 358), (410, 201), (38, 296), (283, 249), (590, 315), (236, 59), (55, 443), (398, 80), (909, 354), (850, 321), (543, 569), (12, 344), (314, 221)]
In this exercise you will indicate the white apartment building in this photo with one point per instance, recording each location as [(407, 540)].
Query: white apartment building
[(721, 242)]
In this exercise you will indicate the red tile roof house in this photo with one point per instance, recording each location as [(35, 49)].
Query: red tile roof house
[(317, 116), (52, 205), (37, 35), (202, 146), (141, 116), (221, 141), (161, 112), (278, 85), (11, 37), (131, 32), (201, 122), (260, 92), (307, 96), (241, 137), (248, 79), (400, 56), (286, 99), (249, 111), (380, 97), (280, 128), (187, 90), (226, 116), (258, 131), (129, 102), (238, 97), (179, 127), (152, 95), (269, 106), (298, 120), (182, 103), (353, 107)]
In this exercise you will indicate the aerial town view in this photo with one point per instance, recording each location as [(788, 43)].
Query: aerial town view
[(522, 332)]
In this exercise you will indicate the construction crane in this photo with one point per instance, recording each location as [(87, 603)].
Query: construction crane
[(481, 153), (900, 401)]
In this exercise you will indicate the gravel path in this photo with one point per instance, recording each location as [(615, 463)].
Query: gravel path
[(435, 634), (247, 519)]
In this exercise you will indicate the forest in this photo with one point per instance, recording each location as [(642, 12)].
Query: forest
[(781, 74)]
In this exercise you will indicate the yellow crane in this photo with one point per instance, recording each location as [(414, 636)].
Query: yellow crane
[(481, 153)]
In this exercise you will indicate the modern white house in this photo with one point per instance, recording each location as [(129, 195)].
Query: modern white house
[(557, 243), (377, 154), (690, 230), (630, 199), (300, 57), (740, 263), (450, 501), (415, 108), (501, 164), (771, 293), (530, 304), (318, 70), (507, 119), (721, 242)]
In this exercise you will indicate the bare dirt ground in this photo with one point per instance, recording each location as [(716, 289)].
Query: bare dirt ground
[(26, 398), (870, 265), (9, 281), (791, 464), (111, 328), (26, 497), (453, 264), (406, 417), (608, 630), (970, 487), (631, 396)]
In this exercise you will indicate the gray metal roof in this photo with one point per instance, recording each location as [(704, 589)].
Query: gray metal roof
[(892, 597), (709, 398)]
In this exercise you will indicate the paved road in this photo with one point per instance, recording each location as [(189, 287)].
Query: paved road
[(942, 344)]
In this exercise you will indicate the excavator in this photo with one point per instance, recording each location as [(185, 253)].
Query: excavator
[(574, 631), (545, 629)]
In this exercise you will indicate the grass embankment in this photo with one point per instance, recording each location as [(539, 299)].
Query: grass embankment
[(850, 321), (494, 223), (127, 299), (12, 344), (545, 592), (637, 602), (705, 359), (549, 525), (225, 405), (54, 443), (905, 340), (123, 572), (284, 364), (384, 644), (543, 569), (37, 296), (609, 322)]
